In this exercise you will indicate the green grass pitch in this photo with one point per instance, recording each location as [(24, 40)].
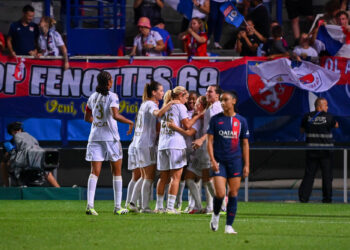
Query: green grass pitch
[(64, 225)]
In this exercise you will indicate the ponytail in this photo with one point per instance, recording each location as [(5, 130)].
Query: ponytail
[(147, 91)]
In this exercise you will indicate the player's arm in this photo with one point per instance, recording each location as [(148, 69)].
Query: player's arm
[(199, 142), (88, 115), (160, 112), (120, 118), (210, 148), (245, 151), (185, 132)]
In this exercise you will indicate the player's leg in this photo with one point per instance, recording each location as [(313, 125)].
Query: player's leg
[(180, 192), (233, 185), (51, 179), (192, 186), (136, 174), (91, 187), (209, 189), (220, 191), (147, 186), (136, 194), (175, 177), (116, 168), (162, 182)]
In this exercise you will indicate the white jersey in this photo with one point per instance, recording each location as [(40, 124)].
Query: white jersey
[(214, 109), (145, 127), (104, 127), (189, 139), (49, 44), (168, 138)]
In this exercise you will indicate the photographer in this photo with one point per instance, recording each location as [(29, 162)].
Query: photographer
[(22, 152)]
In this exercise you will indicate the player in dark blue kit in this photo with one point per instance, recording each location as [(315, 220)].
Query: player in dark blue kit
[(226, 133)]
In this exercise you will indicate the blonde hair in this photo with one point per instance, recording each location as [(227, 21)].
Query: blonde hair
[(49, 20), (172, 94)]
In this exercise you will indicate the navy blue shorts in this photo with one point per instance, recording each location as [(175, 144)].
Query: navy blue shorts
[(229, 169)]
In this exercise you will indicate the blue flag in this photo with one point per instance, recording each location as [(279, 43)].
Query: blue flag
[(231, 14), (184, 7)]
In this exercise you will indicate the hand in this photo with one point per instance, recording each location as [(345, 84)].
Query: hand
[(190, 30), (66, 65), (245, 171), (243, 34), (32, 53), (170, 124), (131, 126), (215, 166), (197, 143)]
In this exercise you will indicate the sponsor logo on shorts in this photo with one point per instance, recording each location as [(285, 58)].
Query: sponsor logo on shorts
[(236, 173)]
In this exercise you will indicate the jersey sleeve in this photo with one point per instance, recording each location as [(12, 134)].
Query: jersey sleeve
[(211, 126), (244, 129), (157, 36), (182, 112), (303, 124), (152, 107), (89, 103), (114, 101)]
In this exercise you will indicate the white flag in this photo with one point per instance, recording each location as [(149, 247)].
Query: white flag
[(307, 76)]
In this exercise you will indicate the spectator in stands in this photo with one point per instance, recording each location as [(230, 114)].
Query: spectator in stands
[(195, 38), (201, 10), (248, 40), (284, 41), (23, 35), (318, 126), (215, 22), (2, 43), (23, 143), (148, 8), (148, 42), (168, 42), (50, 41), (260, 17), (274, 48), (304, 50), (296, 8)]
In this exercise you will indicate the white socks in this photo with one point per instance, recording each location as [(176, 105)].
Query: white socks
[(192, 186), (130, 190), (136, 194), (117, 190), (91, 190), (171, 201), (179, 194), (209, 193), (146, 193), (160, 201)]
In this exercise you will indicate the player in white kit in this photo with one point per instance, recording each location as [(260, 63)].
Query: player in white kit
[(102, 110), (172, 148), (213, 95), (194, 169), (145, 138)]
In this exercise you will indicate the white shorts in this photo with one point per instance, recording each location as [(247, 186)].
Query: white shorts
[(199, 162), (132, 162), (104, 151), (169, 159), (146, 156)]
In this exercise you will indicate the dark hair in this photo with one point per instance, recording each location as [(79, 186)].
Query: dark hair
[(218, 90), (234, 95), (318, 101), (276, 31), (342, 12), (102, 79), (147, 91), (332, 6), (27, 8), (14, 126)]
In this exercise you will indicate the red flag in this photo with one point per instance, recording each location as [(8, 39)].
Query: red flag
[(19, 70)]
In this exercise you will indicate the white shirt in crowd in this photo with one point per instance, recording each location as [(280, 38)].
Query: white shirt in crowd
[(305, 52), (49, 44), (104, 127), (152, 38), (168, 138), (145, 127), (214, 109), (196, 12)]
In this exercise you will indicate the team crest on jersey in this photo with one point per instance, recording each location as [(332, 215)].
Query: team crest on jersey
[(270, 100)]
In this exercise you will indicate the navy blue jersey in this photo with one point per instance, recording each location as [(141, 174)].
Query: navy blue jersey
[(227, 132)]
